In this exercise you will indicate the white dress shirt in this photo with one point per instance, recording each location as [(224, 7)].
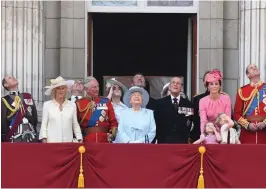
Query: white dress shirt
[(178, 99), (73, 98), (58, 126)]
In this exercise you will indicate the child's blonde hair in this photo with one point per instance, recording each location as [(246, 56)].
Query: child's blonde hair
[(218, 119)]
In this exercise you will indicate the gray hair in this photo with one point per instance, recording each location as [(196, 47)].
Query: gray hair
[(88, 80)]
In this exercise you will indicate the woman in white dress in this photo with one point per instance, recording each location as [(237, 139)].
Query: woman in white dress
[(59, 120), (116, 91), (137, 124)]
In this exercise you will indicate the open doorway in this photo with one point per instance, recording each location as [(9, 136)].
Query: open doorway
[(152, 44)]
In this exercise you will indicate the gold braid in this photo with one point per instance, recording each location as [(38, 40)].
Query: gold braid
[(250, 98), (88, 108), (17, 102)]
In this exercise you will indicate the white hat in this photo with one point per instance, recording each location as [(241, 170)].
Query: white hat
[(54, 83), (145, 96), (113, 81), (165, 89)]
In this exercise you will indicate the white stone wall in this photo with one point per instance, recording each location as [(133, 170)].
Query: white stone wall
[(218, 42), (252, 37), (22, 46)]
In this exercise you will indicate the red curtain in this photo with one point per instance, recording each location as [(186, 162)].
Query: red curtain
[(132, 165)]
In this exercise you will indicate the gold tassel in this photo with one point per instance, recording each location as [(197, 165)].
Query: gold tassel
[(202, 150), (81, 176)]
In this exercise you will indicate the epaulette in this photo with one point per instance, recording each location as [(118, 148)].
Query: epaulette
[(239, 92), (244, 86)]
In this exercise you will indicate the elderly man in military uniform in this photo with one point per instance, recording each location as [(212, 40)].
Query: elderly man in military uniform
[(96, 115), (195, 133), (19, 114), (250, 108), (173, 116)]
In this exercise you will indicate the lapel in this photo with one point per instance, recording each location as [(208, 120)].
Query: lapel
[(170, 105), (10, 101), (181, 102)]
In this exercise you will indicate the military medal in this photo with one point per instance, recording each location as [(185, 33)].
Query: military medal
[(179, 110), (101, 118), (103, 113), (264, 100)]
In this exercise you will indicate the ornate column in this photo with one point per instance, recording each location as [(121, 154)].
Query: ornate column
[(252, 37), (22, 45)]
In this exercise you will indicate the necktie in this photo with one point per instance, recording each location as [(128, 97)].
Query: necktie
[(175, 104)]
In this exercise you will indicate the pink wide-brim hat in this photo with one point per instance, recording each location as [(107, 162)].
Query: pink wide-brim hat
[(214, 75)]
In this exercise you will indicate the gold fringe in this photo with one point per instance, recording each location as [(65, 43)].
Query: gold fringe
[(81, 176), (202, 150)]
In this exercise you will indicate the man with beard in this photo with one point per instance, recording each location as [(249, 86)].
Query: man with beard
[(250, 108), (173, 116), (18, 114), (96, 115)]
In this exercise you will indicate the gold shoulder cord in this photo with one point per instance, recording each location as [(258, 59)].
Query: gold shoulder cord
[(17, 101), (250, 98), (88, 108)]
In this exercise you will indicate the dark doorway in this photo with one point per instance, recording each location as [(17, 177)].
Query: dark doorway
[(153, 44)]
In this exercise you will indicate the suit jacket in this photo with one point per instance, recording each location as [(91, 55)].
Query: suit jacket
[(30, 113), (151, 104), (195, 133), (172, 127)]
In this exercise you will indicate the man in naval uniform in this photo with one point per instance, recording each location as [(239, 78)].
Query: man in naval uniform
[(96, 115), (250, 108), (19, 114), (195, 133), (173, 116)]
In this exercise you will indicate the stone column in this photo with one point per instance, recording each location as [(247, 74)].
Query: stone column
[(211, 18), (22, 45), (252, 37)]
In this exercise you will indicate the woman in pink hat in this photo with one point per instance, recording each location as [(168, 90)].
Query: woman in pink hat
[(216, 102)]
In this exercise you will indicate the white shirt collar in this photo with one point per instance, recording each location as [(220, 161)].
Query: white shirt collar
[(178, 99), (73, 98)]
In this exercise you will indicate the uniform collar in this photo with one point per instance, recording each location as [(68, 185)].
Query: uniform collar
[(256, 84), (15, 93), (75, 97), (178, 98)]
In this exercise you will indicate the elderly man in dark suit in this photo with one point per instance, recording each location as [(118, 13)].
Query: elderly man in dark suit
[(173, 115)]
